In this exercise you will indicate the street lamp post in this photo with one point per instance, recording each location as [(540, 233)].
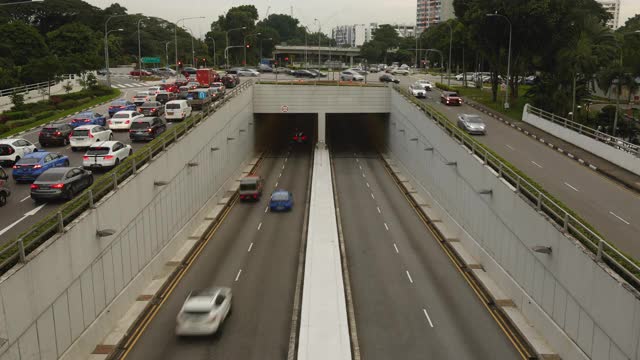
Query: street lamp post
[(319, 33), (226, 50), (450, 46), (193, 51), (269, 39), (166, 52), (106, 44), (245, 45), (22, 2), (506, 97), (175, 34), (139, 52), (214, 51)]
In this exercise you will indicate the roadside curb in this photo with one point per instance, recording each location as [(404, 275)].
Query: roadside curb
[(483, 109)]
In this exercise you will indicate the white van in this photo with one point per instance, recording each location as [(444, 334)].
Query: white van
[(177, 110)]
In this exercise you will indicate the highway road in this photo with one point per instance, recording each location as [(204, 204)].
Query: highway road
[(410, 301), (255, 252)]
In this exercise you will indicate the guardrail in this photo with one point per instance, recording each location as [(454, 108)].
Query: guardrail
[(614, 142), (37, 86), (17, 251), (604, 252)]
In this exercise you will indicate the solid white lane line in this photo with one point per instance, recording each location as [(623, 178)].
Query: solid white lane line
[(379, 211), (30, 213), (368, 185), (259, 226), (276, 184), (409, 276), (427, 316), (569, 185), (25, 199), (266, 209), (250, 246), (510, 147), (396, 247), (619, 218), (386, 226), (373, 197), (536, 164), (238, 276)]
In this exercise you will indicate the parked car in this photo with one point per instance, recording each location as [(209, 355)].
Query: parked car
[(61, 183), (5, 192), (88, 118), (87, 135), (281, 200), (304, 73), (147, 128), (318, 72), (418, 91), (142, 97), (472, 124), (282, 70), (123, 119), (12, 150), (350, 75), (373, 69), (32, 165), (55, 134), (120, 105), (425, 84), (450, 98), (530, 80), (251, 188), (138, 73), (151, 108), (387, 78), (360, 71), (204, 311), (177, 110), (106, 155), (469, 76), (164, 97), (102, 72)]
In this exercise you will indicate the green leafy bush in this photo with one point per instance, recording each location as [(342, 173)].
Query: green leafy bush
[(68, 104), (444, 87), (44, 115), (12, 124), (16, 115)]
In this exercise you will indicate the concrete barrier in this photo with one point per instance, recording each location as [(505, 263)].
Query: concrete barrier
[(47, 303), (584, 310)]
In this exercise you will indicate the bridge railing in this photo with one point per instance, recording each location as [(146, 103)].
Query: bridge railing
[(538, 198), (17, 250), (31, 87)]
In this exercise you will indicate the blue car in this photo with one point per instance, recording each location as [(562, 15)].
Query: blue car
[(29, 167), (281, 200), (121, 105), (88, 118)]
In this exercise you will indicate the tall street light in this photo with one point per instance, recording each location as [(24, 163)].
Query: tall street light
[(226, 50), (139, 52), (450, 43), (268, 39), (214, 51), (106, 44), (166, 52), (193, 49), (175, 34), (23, 2), (319, 33), (506, 97), (245, 45), (306, 45)]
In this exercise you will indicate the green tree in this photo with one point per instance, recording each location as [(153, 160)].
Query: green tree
[(77, 47), (21, 43)]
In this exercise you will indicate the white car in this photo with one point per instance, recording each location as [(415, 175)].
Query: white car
[(418, 91), (142, 97), (122, 119), (106, 155), (248, 72), (12, 150), (425, 84), (204, 311), (154, 90), (351, 75), (87, 135), (400, 71)]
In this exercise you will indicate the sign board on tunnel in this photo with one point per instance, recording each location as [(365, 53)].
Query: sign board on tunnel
[(284, 108)]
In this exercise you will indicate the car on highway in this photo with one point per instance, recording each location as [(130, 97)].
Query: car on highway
[(5, 192), (164, 97), (251, 188), (177, 110), (350, 75), (189, 70), (472, 124), (281, 200), (425, 84), (87, 135), (13, 149), (230, 80), (299, 137), (151, 108), (282, 70), (154, 90), (218, 87), (170, 88), (183, 92), (400, 71), (304, 74), (106, 155), (418, 91), (139, 73), (32, 165), (388, 78), (318, 72), (57, 134), (122, 119), (88, 118), (193, 85), (147, 128), (142, 97), (248, 72), (61, 183), (120, 105), (204, 311), (450, 98)]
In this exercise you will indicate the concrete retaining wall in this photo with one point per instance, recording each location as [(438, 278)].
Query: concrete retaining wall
[(582, 310), (621, 158), (53, 299)]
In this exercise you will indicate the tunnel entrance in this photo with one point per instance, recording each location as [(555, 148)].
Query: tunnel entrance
[(361, 134), (276, 134)]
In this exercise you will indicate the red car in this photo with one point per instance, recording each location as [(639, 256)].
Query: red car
[(450, 98), (137, 73), (172, 88)]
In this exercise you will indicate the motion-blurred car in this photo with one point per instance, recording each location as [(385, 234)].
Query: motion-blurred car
[(102, 72), (248, 72), (304, 74), (87, 135), (418, 91), (400, 71), (299, 137), (318, 73), (281, 200), (123, 119), (139, 73), (4, 190), (350, 75), (387, 78), (154, 90), (55, 134), (151, 108), (282, 70), (204, 311), (61, 183), (230, 80), (425, 84), (88, 118), (472, 124), (450, 98), (264, 68), (147, 128), (251, 188), (120, 105), (12, 150), (32, 165), (106, 155)]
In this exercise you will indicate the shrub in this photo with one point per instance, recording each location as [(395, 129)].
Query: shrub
[(44, 115), (444, 87), (12, 124), (17, 99), (3, 128), (68, 104), (16, 115)]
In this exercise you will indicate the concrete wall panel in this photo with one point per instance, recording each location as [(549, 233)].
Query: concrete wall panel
[(76, 313), (62, 323), (98, 285), (28, 344), (601, 345), (88, 301), (47, 336), (108, 272), (12, 353)]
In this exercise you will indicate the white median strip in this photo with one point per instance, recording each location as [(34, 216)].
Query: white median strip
[(250, 247), (259, 226), (396, 247), (619, 218), (409, 276), (426, 314), (238, 276), (386, 226), (569, 185), (536, 164), (25, 199)]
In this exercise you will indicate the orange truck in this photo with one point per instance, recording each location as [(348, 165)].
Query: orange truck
[(206, 76)]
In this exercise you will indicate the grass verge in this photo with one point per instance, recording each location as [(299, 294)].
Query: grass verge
[(485, 97)]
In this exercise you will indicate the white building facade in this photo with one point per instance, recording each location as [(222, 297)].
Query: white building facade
[(613, 8), (432, 12), (356, 35)]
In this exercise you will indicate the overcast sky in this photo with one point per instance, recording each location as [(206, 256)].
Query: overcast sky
[(329, 12)]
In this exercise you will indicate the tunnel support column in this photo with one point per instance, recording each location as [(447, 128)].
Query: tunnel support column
[(322, 127)]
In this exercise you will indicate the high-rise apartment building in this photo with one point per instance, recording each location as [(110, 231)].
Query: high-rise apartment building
[(431, 12), (613, 8), (356, 35)]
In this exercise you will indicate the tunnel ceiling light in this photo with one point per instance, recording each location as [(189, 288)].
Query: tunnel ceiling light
[(215, 148), (192, 163), (160, 183), (486, 192), (542, 249), (105, 232)]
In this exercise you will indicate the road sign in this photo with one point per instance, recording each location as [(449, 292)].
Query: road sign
[(284, 108), (151, 60)]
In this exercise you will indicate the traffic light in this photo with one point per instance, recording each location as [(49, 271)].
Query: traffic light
[(286, 59), (248, 46)]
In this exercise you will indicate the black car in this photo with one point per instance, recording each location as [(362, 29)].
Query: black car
[(61, 183), (151, 108), (165, 97), (147, 128), (305, 73), (55, 134), (230, 81), (386, 78), (189, 70)]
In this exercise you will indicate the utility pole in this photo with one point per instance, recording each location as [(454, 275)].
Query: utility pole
[(139, 52)]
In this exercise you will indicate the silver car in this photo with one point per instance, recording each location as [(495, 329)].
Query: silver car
[(472, 124), (204, 311), (351, 75)]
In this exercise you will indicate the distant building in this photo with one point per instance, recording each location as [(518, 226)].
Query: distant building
[(432, 12), (613, 8), (349, 35)]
